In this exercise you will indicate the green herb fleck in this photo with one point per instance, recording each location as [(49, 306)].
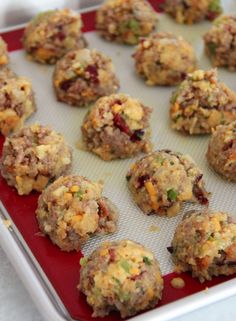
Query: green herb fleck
[(147, 261), (177, 118), (212, 47), (133, 25), (79, 194), (116, 280), (125, 265), (215, 6), (174, 97), (172, 163), (83, 261), (125, 296), (159, 159), (172, 194)]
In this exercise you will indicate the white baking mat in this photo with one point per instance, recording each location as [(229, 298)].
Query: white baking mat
[(152, 231)]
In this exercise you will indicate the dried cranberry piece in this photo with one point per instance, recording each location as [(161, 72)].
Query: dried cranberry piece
[(183, 75), (65, 85), (112, 254), (170, 249), (198, 178), (120, 123), (60, 35), (137, 135), (142, 179), (117, 102), (198, 192), (212, 15), (93, 73), (102, 209), (228, 145)]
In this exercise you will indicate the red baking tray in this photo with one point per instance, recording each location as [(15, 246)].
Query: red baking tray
[(62, 269)]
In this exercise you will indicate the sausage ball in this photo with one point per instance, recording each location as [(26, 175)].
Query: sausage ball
[(51, 34), (123, 276), (220, 42), (191, 11), (163, 180), (82, 76), (201, 103), (16, 101), (204, 243), (117, 127), (33, 157), (72, 209), (125, 21), (164, 59), (221, 152), (4, 59)]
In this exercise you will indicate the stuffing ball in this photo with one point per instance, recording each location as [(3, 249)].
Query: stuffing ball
[(117, 127), (33, 157), (201, 103), (204, 243), (72, 209), (164, 59), (163, 180), (82, 76), (125, 21), (192, 11), (51, 34), (123, 276), (16, 101), (221, 152), (4, 59), (220, 42)]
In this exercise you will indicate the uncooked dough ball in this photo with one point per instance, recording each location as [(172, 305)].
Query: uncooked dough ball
[(121, 276), (164, 59), (117, 127)]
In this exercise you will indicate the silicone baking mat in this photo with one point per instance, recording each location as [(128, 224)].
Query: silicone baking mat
[(62, 269)]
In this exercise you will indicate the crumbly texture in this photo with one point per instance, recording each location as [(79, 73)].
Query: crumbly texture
[(82, 76), (220, 42), (201, 103), (4, 58), (125, 21), (123, 276), (72, 209), (164, 59), (33, 157), (51, 34), (17, 101), (117, 127), (204, 243), (163, 180), (192, 11), (221, 152)]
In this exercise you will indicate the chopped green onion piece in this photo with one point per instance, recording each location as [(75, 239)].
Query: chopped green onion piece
[(125, 265), (147, 261), (172, 194), (215, 6), (212, 47), (79, 194), (83, 261)]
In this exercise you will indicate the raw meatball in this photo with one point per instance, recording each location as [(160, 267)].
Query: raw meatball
[(164, 59), (191, 11), (72, 209), (125, 21), (82, 76), (33, 156), (51, 34), (204, 243), (220, 42), (117, 127), (4, 59), (161, 181), (201, 103), (123, 276), (16, 101), (221, 152)]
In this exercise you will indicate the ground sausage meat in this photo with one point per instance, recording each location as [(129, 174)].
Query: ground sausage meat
[(82, 76), (201, 103), (191, 11), (220, 42), (72, 209), (16, 101), (33, 156), (125, 21), (221, 152), (51, 34), (123, 276), (204, 243), (4, 59), (161, 181), (164, 59), (117, 127)]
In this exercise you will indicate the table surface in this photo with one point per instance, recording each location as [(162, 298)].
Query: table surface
[(16, 304)]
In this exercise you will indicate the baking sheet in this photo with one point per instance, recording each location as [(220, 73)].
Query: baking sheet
[(132, 224)]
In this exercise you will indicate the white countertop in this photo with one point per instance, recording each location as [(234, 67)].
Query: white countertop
[(16, 304)]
